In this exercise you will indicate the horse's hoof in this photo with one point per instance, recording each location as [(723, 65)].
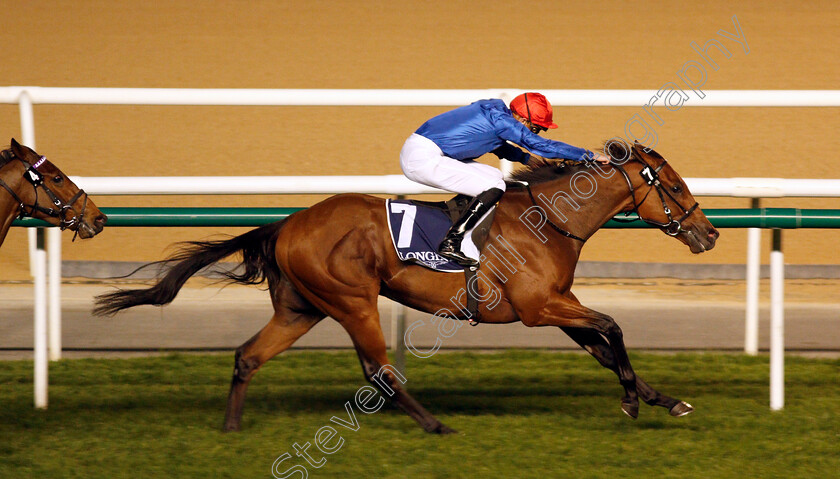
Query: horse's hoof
[(230, 428), (681, 409), (440, 428), (630, 407)]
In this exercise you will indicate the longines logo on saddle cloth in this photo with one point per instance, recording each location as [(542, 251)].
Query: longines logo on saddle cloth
[(418, 227)]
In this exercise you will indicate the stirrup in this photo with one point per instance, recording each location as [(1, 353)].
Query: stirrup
[(450, 248), (459, 258)]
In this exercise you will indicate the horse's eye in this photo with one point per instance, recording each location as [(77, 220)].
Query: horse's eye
[(57, 179), (676, 189)]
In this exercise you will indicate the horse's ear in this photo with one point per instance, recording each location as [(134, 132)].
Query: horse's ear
[(17, 149), (619, 151)]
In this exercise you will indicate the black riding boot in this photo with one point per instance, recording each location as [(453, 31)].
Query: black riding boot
[(450, 247)]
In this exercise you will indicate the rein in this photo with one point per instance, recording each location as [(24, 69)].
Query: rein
[(36, 179), (551, 223)]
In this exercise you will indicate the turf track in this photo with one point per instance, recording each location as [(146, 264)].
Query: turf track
[(519, 413)]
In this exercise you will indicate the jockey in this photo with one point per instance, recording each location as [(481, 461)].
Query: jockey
[(442, 151)]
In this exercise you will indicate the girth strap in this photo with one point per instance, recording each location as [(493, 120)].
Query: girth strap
[(472, 301)]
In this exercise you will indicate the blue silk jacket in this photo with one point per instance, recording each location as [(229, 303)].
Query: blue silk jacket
[(485, 126)]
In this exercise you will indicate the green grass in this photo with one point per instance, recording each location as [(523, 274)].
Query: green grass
[(520, 415)]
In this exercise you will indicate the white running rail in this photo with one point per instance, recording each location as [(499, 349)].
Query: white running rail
[(27, 96)]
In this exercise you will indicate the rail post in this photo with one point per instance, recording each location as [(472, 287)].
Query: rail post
[(54, 292), (27, 136), (777, 323), (753, 281), (39, 264), (397, 335), (53, 270)]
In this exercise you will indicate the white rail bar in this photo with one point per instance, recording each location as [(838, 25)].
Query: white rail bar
[(390, 97), (400, 185), (763, 187), (245, 185)]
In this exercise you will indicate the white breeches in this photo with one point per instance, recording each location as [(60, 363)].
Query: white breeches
[(422, 161)]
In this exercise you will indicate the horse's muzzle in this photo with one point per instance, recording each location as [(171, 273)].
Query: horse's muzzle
[(700, 242), (89, 230)]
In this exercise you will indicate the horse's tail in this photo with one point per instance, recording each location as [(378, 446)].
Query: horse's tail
[(258, 265)]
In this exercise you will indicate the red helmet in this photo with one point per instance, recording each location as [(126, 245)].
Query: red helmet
[(535, 107)]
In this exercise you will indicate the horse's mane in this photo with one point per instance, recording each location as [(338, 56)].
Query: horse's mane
[(540, 170), (6, 156)]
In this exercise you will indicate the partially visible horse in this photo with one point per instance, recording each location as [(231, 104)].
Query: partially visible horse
[(336, 257), (31, 186)]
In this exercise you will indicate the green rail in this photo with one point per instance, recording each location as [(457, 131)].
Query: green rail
[(200, 216), (241, 216), (758, 218)]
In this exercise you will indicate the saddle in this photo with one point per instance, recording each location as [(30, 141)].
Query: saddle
[(418, 227)]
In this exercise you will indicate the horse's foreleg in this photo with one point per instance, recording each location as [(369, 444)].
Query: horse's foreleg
[(566, 312), (367, 336), (595, 344), (280, 333)]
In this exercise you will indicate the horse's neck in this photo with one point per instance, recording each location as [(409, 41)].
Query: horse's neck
[(11, 173), (9, 207), (6, 156), (12, 176), (6, 218), (580, 204)]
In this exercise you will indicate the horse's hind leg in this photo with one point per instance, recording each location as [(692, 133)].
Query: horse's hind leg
[(597, 346), (286, 326), (369, 341)]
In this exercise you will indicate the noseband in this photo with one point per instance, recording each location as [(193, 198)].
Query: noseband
[(651, 176), (61, 209)]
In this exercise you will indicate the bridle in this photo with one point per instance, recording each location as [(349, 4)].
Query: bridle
[(651, 176), (36, 179)]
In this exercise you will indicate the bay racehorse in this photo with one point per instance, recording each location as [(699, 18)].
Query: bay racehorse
[(31, 186), (334, 259)]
